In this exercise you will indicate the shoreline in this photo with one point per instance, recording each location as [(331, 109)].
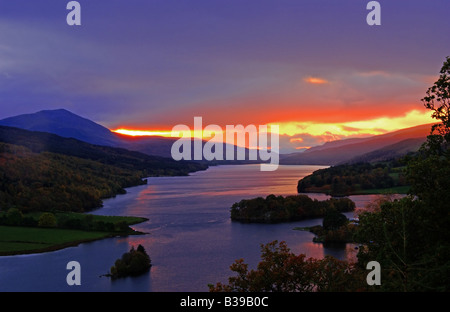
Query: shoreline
[(74, 243), (53, 248), (387, 191)]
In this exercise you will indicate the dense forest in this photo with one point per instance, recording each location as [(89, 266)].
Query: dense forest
[(344, 180), (48, 181), (45, 172), (290, 208)]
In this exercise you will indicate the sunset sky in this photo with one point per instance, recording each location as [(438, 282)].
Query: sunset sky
[(313, 67)]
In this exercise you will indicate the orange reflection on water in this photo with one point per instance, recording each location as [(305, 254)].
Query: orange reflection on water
[(312, 250), (346, 252), (146, 194)]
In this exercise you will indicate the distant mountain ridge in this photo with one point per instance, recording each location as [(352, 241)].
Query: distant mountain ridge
[(376, 147)]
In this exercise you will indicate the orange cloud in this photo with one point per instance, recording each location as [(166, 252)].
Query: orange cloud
[(315, 80)]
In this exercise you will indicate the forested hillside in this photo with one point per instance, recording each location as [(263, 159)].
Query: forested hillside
[(48, 181), (44, 172), (358, 178)]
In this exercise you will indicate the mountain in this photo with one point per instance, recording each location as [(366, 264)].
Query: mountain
[(65, 124), (344, 151)]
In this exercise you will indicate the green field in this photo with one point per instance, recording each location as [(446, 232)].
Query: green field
[(33, 239), (20, 240)]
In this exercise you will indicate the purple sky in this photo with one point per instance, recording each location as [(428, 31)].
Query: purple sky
[(155, 64)]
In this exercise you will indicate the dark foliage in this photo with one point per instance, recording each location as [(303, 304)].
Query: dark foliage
[(132, 263), (290, 208), (343, 180), (280, 270)]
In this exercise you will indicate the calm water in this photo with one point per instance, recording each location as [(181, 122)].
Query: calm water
[(191, 240)]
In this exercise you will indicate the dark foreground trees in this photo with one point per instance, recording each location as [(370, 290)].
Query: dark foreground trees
[(399, 237), (280, 270)]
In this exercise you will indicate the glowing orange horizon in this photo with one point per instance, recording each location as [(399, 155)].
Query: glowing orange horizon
[(219, 136), (374, 126), (131, 132)]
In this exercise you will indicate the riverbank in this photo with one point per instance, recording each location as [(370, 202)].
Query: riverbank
[(18, 240)]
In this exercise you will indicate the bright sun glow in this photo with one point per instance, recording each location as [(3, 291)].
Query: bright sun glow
[(167, 134), (142, 132), (357, 128)]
